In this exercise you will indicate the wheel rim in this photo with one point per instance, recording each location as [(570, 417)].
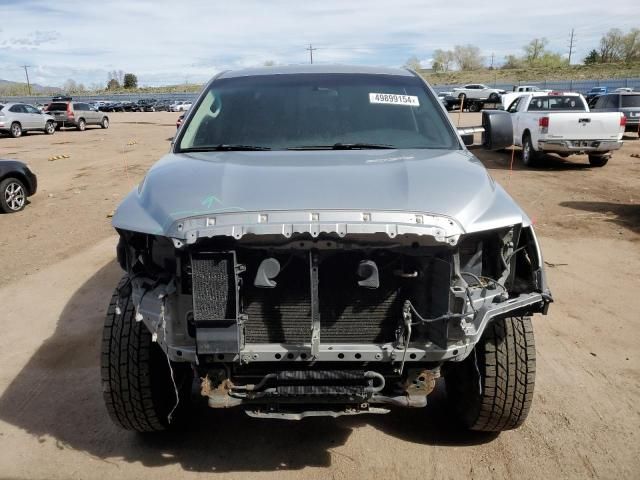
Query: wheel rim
[(50, 128), (16, 130), (105, 123), (14, 196), (526, 151), (81, 125)]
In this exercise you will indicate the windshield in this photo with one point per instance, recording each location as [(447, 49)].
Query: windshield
[(57, 107), (557, 102), (630, 101), (298, 111)]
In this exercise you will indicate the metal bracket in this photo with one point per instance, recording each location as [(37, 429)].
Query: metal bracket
[(315, 305)]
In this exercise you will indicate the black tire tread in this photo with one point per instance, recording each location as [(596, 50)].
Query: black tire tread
[(126, 369), (598, 160), (506, 359)]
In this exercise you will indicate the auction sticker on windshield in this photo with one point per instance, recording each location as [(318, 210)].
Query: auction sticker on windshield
[(393, 99)]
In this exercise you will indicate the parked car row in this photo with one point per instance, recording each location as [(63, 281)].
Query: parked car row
[(144, 105), (16, 119)]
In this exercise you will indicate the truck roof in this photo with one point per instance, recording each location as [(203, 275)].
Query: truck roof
[(295, 69)]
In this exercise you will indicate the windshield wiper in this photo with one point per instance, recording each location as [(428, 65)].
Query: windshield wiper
[(225, 147), (345, 146)]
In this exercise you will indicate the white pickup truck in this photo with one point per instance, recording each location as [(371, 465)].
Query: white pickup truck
[(518, 90), (553, 122)]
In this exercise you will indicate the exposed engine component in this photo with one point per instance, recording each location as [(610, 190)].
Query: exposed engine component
[(268, 270)]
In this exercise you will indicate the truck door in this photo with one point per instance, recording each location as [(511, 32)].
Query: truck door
[(515, 118)]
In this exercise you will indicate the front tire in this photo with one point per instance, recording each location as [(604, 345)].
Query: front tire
[(494, 98), (82, 125), (13, 195), (598, 160), (492, 389), (136, 380), (50, 128)]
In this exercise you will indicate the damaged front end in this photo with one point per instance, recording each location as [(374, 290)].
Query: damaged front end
[(302, 313)]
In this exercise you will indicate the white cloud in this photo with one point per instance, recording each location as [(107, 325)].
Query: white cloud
[(166, 42)]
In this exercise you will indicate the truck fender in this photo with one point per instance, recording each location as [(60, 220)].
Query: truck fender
[(498, 129)]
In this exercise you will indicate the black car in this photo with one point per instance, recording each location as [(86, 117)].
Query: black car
[(131, 107), (17, 183), (162, 106), (147, 104), (624, 102), (116, 107)]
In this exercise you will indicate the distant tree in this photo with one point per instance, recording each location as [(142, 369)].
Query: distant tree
[(611, 46), (269, 63), (436, 66), (130, 80), (630, 49), (512, 61), (413, 63), (113, 84), (69, 86), (444, 58), (534, 49), (551, 60), (592, 57), (467, 57), (117, 75)]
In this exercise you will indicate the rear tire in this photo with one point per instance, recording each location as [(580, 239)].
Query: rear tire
[(530, 157), (492, 389), (598, 160), (16, 130), (13, 195), (136, 380), (104, 123)]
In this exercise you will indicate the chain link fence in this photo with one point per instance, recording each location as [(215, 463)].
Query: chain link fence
[(580, 86)]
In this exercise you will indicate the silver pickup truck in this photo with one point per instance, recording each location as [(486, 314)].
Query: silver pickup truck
[(319, 241)]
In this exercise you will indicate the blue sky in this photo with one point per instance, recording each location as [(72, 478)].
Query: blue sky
[(169, 42)]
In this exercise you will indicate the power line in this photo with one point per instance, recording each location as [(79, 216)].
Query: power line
[(311, 49), (571, 45), (26, 72)]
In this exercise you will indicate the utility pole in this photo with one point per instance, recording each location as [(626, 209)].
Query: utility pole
[(26, 72), (311, 49), (571, 46), (492, 55)]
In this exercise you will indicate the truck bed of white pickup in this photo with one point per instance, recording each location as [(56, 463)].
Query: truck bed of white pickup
[(546, 122)]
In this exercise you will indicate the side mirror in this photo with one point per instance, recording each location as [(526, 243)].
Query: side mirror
[(467, 138), (467, 134), (498, 129)]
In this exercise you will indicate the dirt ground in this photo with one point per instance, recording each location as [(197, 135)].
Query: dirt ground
[(57, 271)]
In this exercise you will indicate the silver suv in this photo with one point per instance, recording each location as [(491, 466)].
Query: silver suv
[(18, 118), (76, 114)]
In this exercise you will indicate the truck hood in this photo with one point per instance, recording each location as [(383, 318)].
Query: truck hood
[(446, 183)]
